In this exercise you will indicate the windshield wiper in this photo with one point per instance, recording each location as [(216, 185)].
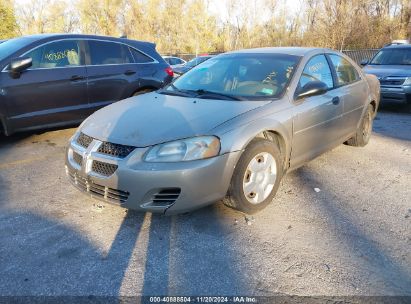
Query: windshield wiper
[(204, 93), (176, 91)]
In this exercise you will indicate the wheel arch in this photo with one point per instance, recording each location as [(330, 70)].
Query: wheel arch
[(276, 133), (3, 126), (148, 88), (374, 106)]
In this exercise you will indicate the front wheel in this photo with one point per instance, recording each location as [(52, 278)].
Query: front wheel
[(363, 134), (256, 177)]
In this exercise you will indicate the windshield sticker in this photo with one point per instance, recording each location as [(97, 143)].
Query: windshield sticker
[(267, 91), (59, 55)]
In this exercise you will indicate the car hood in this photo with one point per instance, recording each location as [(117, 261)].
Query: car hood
[(154, 118), (388, 70)]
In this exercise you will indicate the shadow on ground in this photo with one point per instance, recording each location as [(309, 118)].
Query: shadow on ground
[(356, 243)]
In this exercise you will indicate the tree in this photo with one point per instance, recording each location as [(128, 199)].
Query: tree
[(8, 27), (101, 16), (46, 16)]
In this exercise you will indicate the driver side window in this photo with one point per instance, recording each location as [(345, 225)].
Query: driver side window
[(317, 69)]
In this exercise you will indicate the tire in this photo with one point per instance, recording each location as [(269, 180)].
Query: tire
[(363, 134), (142, 92), (242, 195)]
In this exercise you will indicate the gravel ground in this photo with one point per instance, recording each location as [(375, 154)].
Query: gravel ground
[(353, 237)]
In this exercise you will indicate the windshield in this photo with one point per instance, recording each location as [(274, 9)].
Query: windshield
[(397, 56), (196, 61), (251, 76), (10, 46)]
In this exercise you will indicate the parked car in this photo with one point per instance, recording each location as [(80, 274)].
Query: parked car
[(55, 80), (228, 129), (392, 66), (189, 65), (174, 61)]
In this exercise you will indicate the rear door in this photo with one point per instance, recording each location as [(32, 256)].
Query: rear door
[(112, 73), (53, 91), (353, 92), (317, 119)]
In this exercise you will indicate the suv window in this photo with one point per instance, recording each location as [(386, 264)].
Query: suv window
[(102, 52), (140, 57), (317, 69), (346, 73), (56, 54)]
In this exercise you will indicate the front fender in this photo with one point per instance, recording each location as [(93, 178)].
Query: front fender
[(237, 139)]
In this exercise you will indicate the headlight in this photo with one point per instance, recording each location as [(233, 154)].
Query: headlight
[(184, 150), (407, 81)]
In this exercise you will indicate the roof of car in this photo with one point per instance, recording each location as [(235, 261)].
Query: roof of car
[(298, 51), (398, 46), (62, 36)]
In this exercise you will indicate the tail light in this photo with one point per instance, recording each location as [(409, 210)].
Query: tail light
[(169, 71)]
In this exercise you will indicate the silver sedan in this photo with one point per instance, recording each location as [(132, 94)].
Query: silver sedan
[(229, 129)]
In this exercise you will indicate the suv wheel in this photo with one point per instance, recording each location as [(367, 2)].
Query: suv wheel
[(256, 178)]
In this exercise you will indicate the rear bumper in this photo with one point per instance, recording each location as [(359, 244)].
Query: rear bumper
[(156, 187)]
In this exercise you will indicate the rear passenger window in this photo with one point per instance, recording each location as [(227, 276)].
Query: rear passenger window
[(175, 61), (346, 73), (102, 52), (317, 69), (56, 54), (140, 57)]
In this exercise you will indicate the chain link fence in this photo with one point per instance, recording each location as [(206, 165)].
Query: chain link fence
[(359, 55), (356, 55)]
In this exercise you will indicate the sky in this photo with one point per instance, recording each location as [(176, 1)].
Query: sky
[(219, 7)]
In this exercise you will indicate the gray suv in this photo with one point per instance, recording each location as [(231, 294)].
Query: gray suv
[(392, 66)]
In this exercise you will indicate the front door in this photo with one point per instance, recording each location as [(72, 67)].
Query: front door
[(317, 119), (52, 92)]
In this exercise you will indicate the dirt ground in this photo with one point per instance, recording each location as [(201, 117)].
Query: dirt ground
[(353, 237)]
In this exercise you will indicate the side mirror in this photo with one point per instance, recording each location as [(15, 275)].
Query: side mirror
[(18, 65), (312, 88), (364, 62)]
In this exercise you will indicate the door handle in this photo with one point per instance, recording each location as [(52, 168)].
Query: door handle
[(76, 78), (336, 100), (129, 72)]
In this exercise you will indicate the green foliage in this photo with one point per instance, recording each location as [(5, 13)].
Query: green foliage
[(8, 25)]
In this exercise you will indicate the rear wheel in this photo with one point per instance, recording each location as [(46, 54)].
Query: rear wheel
[(256, 178), (363, 134)]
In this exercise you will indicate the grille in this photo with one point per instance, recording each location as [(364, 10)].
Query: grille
[(115, 150), (394, 82), (84, 140), (108, 194), (166, 197), (78, 159), (104, 169)]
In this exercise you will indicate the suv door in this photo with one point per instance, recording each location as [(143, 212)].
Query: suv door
[(53, 91), (353, 91), (317, 119), (112, 74)]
